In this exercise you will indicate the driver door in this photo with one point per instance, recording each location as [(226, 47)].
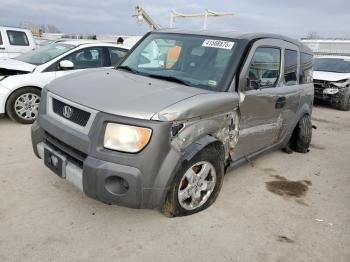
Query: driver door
[(261, 98)]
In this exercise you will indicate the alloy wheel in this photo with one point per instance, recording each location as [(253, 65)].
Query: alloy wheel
[(197, 185), (27, 106)]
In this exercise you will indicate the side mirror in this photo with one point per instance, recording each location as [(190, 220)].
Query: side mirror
[(66, 65)]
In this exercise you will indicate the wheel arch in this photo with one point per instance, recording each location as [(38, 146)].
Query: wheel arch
[(164, 182), (204, 142), (16, 90), (306, 109)]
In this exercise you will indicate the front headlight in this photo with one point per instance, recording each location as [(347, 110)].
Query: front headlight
[(126, 138), (330, 91)]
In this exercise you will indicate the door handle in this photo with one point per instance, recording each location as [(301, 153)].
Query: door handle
[(281, 102), (2, 48)]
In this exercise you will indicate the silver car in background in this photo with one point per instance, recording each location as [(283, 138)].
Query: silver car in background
[(332, 80)]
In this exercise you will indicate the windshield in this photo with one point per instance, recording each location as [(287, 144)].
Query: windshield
[(336, 65), (198, 61), (45, 53)]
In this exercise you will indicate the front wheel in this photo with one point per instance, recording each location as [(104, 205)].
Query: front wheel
[(196, 185), (344, 103), (23, 105)]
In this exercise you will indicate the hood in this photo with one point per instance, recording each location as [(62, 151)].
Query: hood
[(330, 76), (15, 65), (121, 93)]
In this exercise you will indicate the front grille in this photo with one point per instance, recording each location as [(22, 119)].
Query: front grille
[(318, 89), (71, 113), (72, 154)]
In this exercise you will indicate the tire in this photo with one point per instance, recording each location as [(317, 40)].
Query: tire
[(209, 157), (301, 138), (345, 101), (23, 105)]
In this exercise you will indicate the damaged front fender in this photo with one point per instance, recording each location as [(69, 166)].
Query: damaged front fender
[(341, 83), (213, 114), (335, 87)]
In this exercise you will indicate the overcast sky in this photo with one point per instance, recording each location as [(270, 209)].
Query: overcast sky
[(295, 18)]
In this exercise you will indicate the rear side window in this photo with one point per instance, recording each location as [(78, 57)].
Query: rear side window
[(306, 62), (264, 69), (290, 67), (116, 55), (17, 38), (0, 39)]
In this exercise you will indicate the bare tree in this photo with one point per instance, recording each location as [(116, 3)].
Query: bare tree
[(44, 28), (313, 35), (52, 29)]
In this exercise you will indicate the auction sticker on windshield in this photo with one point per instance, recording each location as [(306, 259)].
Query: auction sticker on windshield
[(218, 44)]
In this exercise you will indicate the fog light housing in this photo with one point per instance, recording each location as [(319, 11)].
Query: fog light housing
[(116, 185)]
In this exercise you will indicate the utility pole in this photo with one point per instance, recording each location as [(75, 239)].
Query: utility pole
[(142, 15), (205, 15)]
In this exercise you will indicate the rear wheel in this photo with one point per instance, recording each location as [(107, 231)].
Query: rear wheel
[(301, 138), (23, 105), (196, 185)]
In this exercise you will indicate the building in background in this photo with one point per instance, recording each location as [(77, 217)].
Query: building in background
[(333, 47)]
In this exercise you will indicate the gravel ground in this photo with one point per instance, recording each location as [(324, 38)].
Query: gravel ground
[(280, 207)]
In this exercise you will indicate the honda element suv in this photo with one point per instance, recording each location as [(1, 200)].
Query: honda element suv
[(161, 129)]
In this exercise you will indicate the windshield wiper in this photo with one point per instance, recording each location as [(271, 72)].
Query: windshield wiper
[(170, 78), (127, 68)]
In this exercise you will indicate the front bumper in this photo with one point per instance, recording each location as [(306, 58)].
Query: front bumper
[(328, 94), (104, 181), (135, 180), (329, 98), (71, 172)]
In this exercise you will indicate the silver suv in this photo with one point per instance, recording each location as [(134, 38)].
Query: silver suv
[(161, 129)]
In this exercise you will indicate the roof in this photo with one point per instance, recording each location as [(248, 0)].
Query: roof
[(341, 41), (14, 28), (333, 56), (237, 35), (88, 43)]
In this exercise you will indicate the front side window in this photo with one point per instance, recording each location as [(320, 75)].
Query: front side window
[(290, 67), (91, 57), (45, 54), (306, 62), (197, 61), (264, 69), (17, 38), (0, 39), (116, 55)]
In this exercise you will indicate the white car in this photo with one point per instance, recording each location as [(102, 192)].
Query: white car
[(15, 41), (332, 80), (23, 77)]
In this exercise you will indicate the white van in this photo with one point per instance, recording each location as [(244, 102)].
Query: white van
[(15, 41)]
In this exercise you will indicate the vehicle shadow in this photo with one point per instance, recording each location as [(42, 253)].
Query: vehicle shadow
[(325, 104)]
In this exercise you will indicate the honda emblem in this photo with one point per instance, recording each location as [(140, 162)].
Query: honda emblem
[(67, 112)]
